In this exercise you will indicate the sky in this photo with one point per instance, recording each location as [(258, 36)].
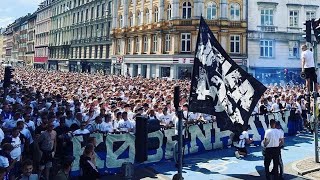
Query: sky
[(13, 9)]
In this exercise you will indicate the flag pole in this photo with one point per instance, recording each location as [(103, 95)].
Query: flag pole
[(316, 120)]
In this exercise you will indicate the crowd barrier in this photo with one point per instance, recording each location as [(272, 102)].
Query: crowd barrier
[(115, 149)]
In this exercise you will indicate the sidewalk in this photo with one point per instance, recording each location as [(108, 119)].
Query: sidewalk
[(307, 168)]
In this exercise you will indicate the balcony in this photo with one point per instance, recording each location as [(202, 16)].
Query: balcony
[(267, 28), (235, 24), (186, 22), (212, 22), (294, 30)]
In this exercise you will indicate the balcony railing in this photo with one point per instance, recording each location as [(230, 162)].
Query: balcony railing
[(186, 22), (294, 30), (267, 28)]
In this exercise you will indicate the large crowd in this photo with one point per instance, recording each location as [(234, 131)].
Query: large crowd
[(43, 109)]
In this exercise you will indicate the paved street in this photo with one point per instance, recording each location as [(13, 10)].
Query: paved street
[(222, 164)]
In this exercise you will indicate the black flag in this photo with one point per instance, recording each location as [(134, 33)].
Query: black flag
[(219, 86)]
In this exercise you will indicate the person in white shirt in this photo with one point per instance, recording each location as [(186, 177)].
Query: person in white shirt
[(243, 140), (115, 122), (30, 124), (5, 156), (70, 120), (275, 107), (166, 118), (281, 134), (82, 130), (272, 142), (125, 124), (308, 67)]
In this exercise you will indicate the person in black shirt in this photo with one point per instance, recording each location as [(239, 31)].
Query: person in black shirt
[(263, 107), (62, 138), (88, 169)]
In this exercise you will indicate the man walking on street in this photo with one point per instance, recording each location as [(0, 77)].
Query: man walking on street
[(272, 142)]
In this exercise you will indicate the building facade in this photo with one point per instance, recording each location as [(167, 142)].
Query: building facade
[(79, 36), (31, 40), (2, 46), (275, 36), (42, 29), (157, 38), (8, 35)]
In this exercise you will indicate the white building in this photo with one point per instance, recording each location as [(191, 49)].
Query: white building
[(275, 29)]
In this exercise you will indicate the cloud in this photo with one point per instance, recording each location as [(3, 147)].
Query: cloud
[(5, 21)]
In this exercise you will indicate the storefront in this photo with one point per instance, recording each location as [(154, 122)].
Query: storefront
[(53, 65), (278, 75), (159, 67), (90, 67)]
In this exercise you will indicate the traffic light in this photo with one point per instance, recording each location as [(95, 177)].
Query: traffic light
[(316, 29), (8, 75), (307, 36)]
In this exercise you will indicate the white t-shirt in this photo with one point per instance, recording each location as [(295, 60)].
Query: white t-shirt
[(242, 142), (166, 119), (275, 107), (273, 136), (125, 125), (308, 56), (1, 135), (4, 162), (16, 152), (81, 132)]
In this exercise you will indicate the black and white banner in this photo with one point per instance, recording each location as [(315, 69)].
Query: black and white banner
[(219, 86)]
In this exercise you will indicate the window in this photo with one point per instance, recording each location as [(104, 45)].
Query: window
[(91, 31), (211, 11), (80, 52), (87, 14), (147, 17), (145, 44), (137, 45), (169, 12), (156, 14), (310, 15), (118, 46), (138, 19), (165, 71), (78, 17), (102, 10), (266, 17), (92, 13), (266, 48), (234, 44), (185, 42), (129, 46), (294, 49), (168, 43), (101, 51), (186, 10), (130, 19), (293, 18), (96, 51), (74, 18), (98, 8), (85, 52), (90, 51), (155, 44), (120, 21), (235, 12), (81, 16)]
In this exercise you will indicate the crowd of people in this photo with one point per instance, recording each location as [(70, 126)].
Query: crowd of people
[(43, 109)]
